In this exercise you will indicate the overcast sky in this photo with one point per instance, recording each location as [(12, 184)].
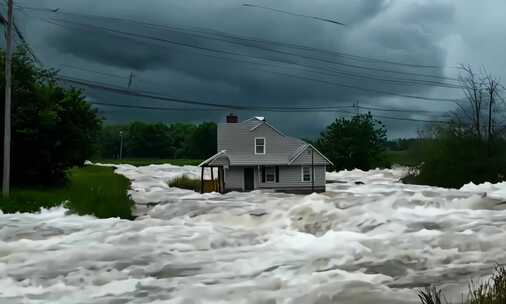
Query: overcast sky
[(193, 62)]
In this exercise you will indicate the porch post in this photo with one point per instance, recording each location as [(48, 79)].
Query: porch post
[(222, 179), (312, 169), (219, 180), (202, 181)]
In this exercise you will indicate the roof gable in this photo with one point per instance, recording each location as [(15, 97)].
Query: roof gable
[(238, 139)]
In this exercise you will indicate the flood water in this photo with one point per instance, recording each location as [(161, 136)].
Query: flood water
[(368, 239)]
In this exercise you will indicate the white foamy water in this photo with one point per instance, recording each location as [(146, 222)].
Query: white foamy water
[(369, 239)]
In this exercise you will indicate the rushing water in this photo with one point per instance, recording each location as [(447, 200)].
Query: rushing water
[(369, 239)]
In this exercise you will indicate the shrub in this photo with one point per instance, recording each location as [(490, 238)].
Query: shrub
[(186, 182), (452, 159), (492, 291)]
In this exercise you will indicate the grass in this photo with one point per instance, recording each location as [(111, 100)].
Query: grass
[(492, 291), (145, 161), (91, 190), (185, 182), (188, 183)]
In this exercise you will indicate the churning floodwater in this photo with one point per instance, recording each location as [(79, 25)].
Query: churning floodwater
[(368, 239)]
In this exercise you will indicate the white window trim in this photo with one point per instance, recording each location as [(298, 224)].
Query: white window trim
[(302, 174), (255, 146)]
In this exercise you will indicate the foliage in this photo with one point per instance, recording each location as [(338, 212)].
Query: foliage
[(402, 158), (185, 182), (159, 141), (150, 161), (53, 128), (91, 190), (492, 291), (354, 143), (453, 157), (401, 144)]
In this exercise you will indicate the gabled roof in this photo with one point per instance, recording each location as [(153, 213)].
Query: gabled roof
[(215, 156), (235, 145), (302, 149), (263, 122)]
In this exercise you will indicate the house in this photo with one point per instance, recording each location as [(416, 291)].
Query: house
[(254, 155)]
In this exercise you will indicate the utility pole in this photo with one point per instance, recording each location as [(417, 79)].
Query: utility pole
[(356, 105), (120, 145), (8, 94), (130, 80)]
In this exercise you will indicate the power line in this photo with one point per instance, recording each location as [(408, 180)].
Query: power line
[(61, 22), (405, 82), (228, 36), (223, 106), (287, 110), (300, 77), (245, 38), (155, 96), (293, 14), (398, 110), (292, 111)]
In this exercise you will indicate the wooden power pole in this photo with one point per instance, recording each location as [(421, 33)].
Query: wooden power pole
[(8, 94)]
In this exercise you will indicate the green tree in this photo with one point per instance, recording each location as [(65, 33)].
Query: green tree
[(53, 128), (202, 142), (354, 143), (149, 141)]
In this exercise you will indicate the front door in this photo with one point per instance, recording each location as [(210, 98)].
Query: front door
[(249, 175)]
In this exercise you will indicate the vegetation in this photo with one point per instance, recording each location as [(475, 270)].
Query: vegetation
[(492, 291), (186, 182), (451, 159), (146, 161), (53, 128), (158, 141), (472, 147), (358, 142), (91, 190)]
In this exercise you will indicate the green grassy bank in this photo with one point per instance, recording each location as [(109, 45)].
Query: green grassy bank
[(91, 190)]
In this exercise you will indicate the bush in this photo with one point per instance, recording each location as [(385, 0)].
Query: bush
[(492, 291), (53, 128), (451, 159), (185, 182)]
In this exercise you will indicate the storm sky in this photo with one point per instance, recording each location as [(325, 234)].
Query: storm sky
[(216, 52)]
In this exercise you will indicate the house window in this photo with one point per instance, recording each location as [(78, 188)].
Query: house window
[(259, 145), (306, 174), (270, 174)]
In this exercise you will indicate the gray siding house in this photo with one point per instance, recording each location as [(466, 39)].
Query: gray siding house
[(255, 155)]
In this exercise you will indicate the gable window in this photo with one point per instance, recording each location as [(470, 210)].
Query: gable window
[(259, 145), (306, 174)]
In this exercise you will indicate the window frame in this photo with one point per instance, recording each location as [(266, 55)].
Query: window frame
[(302, 174), (267, 169), (264, 145)]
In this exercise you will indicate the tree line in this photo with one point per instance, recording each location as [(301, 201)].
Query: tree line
[(158, 141)]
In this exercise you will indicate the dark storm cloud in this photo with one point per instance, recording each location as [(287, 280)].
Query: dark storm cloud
[(407, 31)]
